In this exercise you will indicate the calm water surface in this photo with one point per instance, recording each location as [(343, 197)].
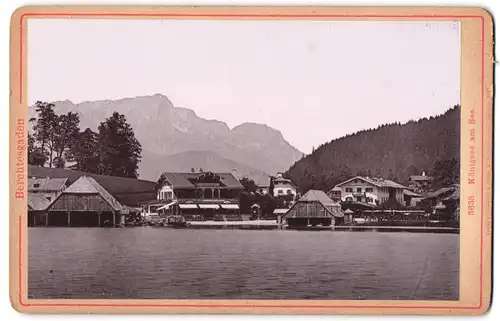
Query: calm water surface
[(161, 263)]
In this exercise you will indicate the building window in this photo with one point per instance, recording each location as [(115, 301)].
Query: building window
[(369, 189), (358, 199), (348, 189), (280, 191), (359, 189), (349, 199), (369, 200)]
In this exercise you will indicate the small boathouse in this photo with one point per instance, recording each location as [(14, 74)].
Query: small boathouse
[(314, 208), (85, 203)]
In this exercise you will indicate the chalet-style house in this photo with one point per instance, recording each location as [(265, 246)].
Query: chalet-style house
[(420, 182), (283, 186), (375, 191), (196, 196)]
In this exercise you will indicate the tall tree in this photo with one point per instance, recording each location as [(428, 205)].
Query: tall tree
[(388, 150), (119, 150), (446, 172), (66, 134), (45, 128), (249, 184), (84, 152), (59, 162), (36, 155), (271, 185)]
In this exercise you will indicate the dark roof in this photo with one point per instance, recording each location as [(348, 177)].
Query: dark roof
[(88, 185), (357, 205), (37, 202), (380, 182), (182, 180), (128, 191), (47, 184)]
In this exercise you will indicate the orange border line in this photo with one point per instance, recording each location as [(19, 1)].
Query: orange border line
[(262, 16)]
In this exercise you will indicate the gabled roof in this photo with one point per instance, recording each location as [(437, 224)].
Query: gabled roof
[(46, 184), (129, 191), (88, 185), (181, 180), (379, 182), (316, 195), (37, 202)]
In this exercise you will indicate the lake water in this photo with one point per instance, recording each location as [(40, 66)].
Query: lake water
[(162, 263)]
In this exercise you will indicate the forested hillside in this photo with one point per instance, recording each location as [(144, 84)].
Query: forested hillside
[(393, 151)]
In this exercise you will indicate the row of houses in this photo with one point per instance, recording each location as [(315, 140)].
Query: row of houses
[(82, 199), (69, 198)]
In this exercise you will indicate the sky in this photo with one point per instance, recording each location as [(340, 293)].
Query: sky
[(312, 80)]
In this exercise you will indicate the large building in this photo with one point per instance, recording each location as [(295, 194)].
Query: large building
[(204, 195), (369, 190)]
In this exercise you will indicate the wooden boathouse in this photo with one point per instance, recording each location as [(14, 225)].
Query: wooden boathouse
[(314, 208), (37, 209), (85, 203)]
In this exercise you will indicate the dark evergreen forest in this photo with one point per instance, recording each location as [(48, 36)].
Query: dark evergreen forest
[(392, 151)]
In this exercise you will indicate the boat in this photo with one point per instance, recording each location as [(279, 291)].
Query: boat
[(176, 221)]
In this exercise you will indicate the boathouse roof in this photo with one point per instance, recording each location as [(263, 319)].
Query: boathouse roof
[(88, 185), (322, 206), (316, 195), (37, 202)]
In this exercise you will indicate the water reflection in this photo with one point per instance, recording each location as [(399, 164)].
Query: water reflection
[(151, 263)]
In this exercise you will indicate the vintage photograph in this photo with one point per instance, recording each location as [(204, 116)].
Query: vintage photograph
[(243, 159)]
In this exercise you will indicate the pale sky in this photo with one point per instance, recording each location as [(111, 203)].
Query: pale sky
[(313, 81)]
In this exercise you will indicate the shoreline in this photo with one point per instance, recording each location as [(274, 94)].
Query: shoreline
[(272, 225)]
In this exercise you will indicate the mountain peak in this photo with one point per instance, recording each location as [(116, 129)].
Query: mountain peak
[(164, 129)]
